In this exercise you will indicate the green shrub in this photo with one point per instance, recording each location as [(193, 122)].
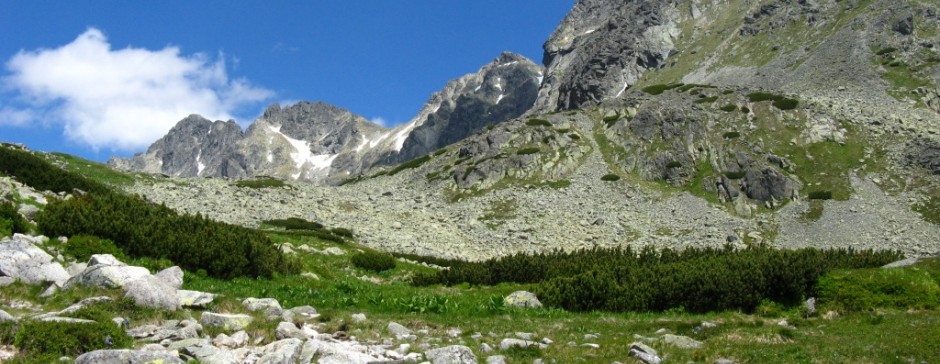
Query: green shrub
[(745, 109), (538, 122), (41, 175), (761, 96), (66, 339), (689, 86), (659, 89), (731, 135), (527, 151), (735, 175), (7, 332), (729, 108), (414, 163), (260, 182), (294, 223), (489, 126), (610, 177), (705, 100), (674, 164), (820, 195), (860, 290), (374, 261), (884, 51), (547, 139), (11, 221), (727, 92), (344, 232), (574, 136), (784, 103), (82, 247)]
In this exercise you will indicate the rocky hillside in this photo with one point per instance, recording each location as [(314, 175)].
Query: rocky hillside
[(317, 142), (673, 124)]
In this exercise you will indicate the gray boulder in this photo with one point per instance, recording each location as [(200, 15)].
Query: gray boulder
[(455, 354), (6, 281), (194, 299), (682, 342), (4, 316), (496, 359), (105, 271), (153, 292), (300, 313), (173, 276), (522, 299), (126, 357), (28, 211), (228, 323), (510, 343), (397, 329), (281, 352), (234, 341), (329, 352), (208, 354), (287, 330), (269, 306), (21, 259), (768, 185), (644, 353)]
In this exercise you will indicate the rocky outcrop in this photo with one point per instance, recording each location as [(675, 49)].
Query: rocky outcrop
[(226, 322), (455, 354), (153, 292), (21, 259), (126, 357), (522, 299), (105, 271), (603, 47)]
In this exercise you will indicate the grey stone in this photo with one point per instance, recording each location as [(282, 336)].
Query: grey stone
[(682, 342), (287, 330), (126, 357), (206, 353), (237, 340), (508, 343), (522, 299), (902, 263), (269, 306), (226, 322), (6, 281), (105, 271), (283, 351), (810, 306), (150, 291), (358, 318), (644, 353), (75, 268), (397, 329), (28, 211), (194, 299), (173, 276), (496, 359), (455, 354), (21, 259), (329, 352), (300, 313), (4, 316)]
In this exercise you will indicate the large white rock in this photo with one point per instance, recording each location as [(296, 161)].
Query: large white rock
[(153, 292), (455, 354), (522, 299), (287, 330), (4, 316), (271, 307), (208, 354), (283, 351), (126, 357), (228, 323), (105, 271), (20, 258), (172, 276), (342, 352), (194, 299)]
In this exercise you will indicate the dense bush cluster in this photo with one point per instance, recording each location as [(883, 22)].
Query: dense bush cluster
[(294, 223), (527, 151), (610, 177), (82, 247), (729, 108), (261, 182), (374, 261), (538, 122), (780, 102), (696, 279), (11, 221), (143, 229), (68, 339), (414, 163), (820, 195), (706, 100), (659, 89), (301, 227), (915, 287)]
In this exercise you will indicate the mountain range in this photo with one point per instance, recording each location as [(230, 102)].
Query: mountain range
[(672, 123)]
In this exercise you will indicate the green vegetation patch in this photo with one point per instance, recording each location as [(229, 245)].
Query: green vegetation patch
[(916, 287), (729, 108), (731, 135), (735, 175), (780, 102), (374, 261), (659, 89), (68, 339), (414, 163), (11, 221), (929, 209), (294, 223), (261, 182), (527, 151), (610, 177), (82, 247), (706, 100), (94, 170), (538, 122), (498, 211), (820, 195)]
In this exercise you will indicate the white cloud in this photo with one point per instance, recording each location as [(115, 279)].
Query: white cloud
[(380, 121), (15, 117), (121, 99)]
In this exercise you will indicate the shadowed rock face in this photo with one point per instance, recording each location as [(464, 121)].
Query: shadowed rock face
[(315, 141), (601, 48)]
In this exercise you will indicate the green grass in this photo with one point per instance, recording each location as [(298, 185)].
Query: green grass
[(860, 290), (527, 151), (414, 163), (261, 182), (729, 108), (610, 177), (659, 89), (929, 209), (94, 170), (498, 211), (706, 100), (538, 122)]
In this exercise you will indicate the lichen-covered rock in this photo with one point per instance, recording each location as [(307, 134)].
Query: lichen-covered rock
[(21, 259), (194, 299), (150, 291), (454, 354), (228, 323), (269, 306), (126, 357), (105, 271), (522, 299), (173, 276)]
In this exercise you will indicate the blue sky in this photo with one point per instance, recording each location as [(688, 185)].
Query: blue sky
[(103, 78)]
